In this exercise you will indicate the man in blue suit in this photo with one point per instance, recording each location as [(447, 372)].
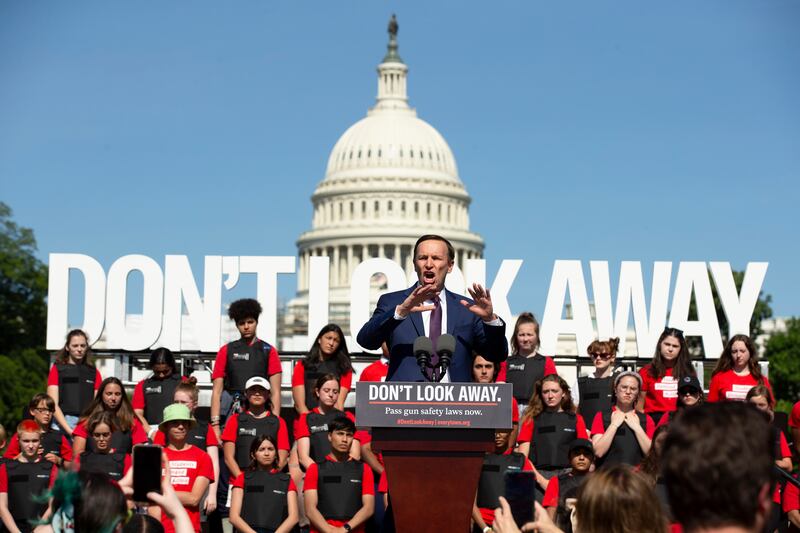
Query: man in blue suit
[(400, 317)]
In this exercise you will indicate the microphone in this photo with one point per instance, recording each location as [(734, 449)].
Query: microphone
[(445, 347), (422, 351)]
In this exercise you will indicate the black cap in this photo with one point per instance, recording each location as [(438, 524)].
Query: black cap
[(581, 444), (690, 382)]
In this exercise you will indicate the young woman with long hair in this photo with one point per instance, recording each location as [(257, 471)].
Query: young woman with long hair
[(128, 430), (328, 355), (155, 392), (737, 371), (73, 380), (660, 378)]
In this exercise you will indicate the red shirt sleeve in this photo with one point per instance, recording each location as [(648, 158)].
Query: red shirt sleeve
[(367, 481), (383, 484), (211, 437), (549, 366), (273, 362), (292, 486), (238, 483), (501, 374), (312, 474), (205, 467), (649, 426), (527, 466), (526, 431), (52, 377), (98, 379), (53, 476), (138, 434), (231, 429), (794, 420), (13, 447), (785, 451), (580, 427), (346, 380), (138, 396), (3, 479), (283, 435), (551, 493), (302, 427), (220, 363), (597, 424), (80, 430), (299, 374), (713, 389), (514, 411), (66, 449), (791, 498), (160, 438)]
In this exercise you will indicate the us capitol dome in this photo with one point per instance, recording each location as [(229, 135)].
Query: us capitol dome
[(391, 177)]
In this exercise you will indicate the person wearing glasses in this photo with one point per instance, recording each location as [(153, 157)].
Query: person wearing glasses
[(154, 393), (55, 447), (623, 435), (737, 371), (100, 457), (671, 363), (592, 393)]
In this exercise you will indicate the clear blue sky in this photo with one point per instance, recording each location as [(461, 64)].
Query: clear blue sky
[(597, 130)]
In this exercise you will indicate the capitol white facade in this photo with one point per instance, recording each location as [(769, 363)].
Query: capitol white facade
[(391, 177)]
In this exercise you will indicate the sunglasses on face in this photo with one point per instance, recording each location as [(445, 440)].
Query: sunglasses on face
[(689, 392), (602, 356)]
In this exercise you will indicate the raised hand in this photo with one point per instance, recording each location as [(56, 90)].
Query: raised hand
[(483, 302), (414, 301)]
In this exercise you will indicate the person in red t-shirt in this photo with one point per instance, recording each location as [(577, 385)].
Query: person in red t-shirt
[(794, 426), (671, 362), (128, 431), (328, 355), (623, 435), (378, 370), (737, 371), (101, 458), (190, 468), (152, 394), (73, 380), (791, 504), (563, 486), (263, 499), (22, 478), (495, 465), (339, 491), (240, 360), (55, 446)]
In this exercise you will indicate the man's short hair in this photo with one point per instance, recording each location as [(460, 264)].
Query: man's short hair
[(451, 252), (717, 458), (244, 308), (341, 423)]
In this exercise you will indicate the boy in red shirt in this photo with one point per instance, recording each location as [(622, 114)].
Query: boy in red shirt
[(339, 491), (24, 477), (563, 486)]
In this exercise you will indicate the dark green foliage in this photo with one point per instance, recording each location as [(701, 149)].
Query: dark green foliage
[(783, 352)]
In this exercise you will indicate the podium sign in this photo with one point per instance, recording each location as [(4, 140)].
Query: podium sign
[(434, 405)]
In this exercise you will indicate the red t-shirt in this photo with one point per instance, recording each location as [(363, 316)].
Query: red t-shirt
[(13, 448), (301, 429), (211, 438), (383, 484), (552, 493), (376, 371), (4, 478), (661, 395), (273, 362), (549, 368), (791, 498), (52, 377), (514, 411), (138, 434), (231, 431), (238, 483), (185, 467), (785, 452), (526, 431), (794, 419), (728, 386), (598, 428), (367, 488), (299, 377), (488, 514)]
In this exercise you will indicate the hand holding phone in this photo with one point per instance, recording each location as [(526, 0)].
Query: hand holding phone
[(147, 468)]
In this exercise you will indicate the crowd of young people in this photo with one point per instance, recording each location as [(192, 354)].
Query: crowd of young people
[(242, 469)]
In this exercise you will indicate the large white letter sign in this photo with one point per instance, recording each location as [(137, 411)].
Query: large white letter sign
[(319, 270), (360, 289), (267, 270), (695, 274), (203, 312), (738, 308), (145, 334), (567, 276), (94, 298)]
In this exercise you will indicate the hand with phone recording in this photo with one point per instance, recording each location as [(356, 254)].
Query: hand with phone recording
[(504, 521)]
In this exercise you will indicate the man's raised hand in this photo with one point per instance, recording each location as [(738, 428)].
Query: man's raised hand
[(414, 301), (482, 305)]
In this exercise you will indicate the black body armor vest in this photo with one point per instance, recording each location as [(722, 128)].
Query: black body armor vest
[(552, 435), (492, 482), (75, 387), (250, 428), (264, 501), (339, 489)]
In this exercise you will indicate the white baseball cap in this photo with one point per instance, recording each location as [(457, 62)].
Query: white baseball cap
[(257, 381)]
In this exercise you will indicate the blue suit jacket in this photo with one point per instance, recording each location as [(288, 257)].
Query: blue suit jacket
[(469, 330)]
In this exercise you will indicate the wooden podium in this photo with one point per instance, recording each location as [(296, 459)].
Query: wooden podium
[(433, 465)]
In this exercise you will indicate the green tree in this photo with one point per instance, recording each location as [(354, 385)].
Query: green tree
[(23, 318), (761, 312), (783, 352)]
